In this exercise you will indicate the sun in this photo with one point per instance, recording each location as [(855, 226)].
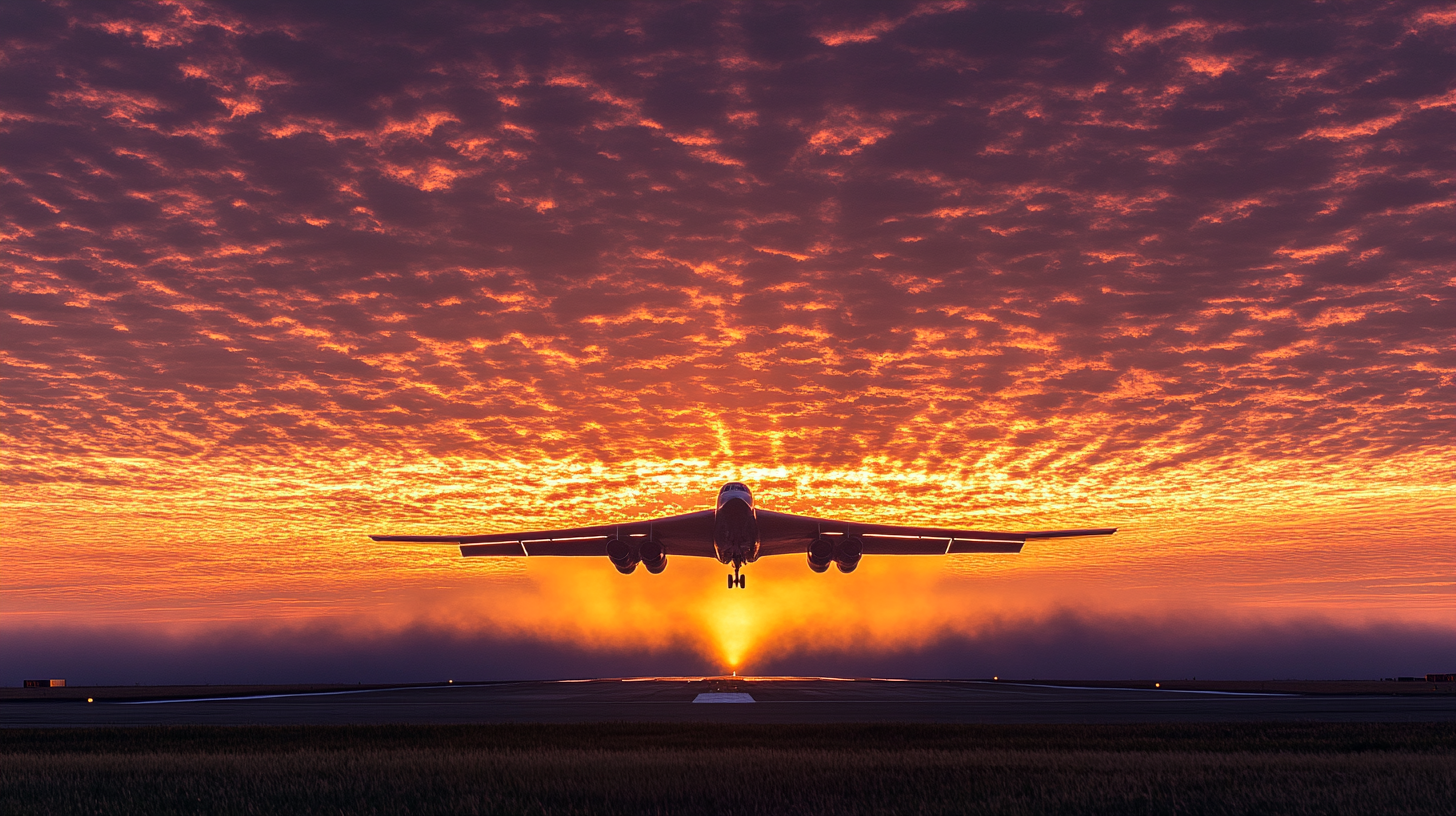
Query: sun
[(732, 626)]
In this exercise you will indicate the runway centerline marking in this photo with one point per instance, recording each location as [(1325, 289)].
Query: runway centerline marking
[(724, 697)]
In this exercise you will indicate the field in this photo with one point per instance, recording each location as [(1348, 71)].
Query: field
[(689, 769)]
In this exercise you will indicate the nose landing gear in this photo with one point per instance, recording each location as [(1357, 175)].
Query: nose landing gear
[(736, 580)]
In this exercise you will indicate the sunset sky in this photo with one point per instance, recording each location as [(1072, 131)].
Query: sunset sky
[(278, 277)]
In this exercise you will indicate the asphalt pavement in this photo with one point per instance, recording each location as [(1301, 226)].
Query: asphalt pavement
[(795, 700)]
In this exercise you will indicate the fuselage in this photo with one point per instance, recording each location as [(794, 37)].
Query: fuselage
[(735, 528)]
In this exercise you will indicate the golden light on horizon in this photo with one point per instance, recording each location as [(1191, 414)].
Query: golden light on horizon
[(219, 546), (735, 622)]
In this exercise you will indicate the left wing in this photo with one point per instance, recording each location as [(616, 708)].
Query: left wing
[(687, 534), (783, 533)]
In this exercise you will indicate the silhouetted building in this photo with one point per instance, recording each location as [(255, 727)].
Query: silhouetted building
[(44, 683), (1441, 678)]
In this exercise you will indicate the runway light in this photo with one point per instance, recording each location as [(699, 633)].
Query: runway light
[(1157, 685), (449, 681), (90, 700), (996, 678)]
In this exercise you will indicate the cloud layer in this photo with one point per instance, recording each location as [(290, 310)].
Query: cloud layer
[(278, 275), (907, 234)]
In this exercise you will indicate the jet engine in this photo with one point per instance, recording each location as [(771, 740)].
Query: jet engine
[(847, 552), (843, 551), (821, 552), (623, 555), (654, 555)]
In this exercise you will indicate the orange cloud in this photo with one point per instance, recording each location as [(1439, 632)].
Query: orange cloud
[(276, 280)]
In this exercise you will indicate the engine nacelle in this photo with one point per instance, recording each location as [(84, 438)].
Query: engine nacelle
[(654, 555), (821, 553), (847, 552), (623, 555)]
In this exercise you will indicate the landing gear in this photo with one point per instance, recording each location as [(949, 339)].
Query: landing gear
[(736, 580)]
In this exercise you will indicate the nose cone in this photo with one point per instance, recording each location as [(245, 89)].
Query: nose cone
[(735, 528), (732, 492)]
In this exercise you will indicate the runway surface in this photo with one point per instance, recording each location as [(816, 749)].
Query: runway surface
[(774, 701)]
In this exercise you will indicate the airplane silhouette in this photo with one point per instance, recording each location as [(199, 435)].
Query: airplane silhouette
[(736, 532)]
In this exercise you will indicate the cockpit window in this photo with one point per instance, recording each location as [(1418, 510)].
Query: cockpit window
[(732, 486)]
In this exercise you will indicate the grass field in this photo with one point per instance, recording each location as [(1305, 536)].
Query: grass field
[(689, 769)]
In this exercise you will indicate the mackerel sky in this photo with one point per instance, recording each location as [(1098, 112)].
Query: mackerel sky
[(276, 275)]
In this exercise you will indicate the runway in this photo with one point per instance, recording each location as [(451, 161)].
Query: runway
[(772, 701)]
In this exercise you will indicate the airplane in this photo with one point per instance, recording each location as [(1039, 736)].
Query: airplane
[(736, 532)]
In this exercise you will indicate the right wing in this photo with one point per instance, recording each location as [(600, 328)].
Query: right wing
[(785, 533), (688, 534)]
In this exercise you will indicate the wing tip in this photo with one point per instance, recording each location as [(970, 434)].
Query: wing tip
[(1045, 534)]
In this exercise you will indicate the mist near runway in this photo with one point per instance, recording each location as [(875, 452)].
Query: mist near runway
[(1063, 645)]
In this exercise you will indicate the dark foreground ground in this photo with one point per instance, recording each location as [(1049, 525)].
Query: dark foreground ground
[(691, 768), (671, 700)]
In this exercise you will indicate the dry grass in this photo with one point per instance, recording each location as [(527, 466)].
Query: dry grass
[(686, 769)]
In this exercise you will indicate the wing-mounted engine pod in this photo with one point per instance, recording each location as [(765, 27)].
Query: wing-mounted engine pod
[(623, 554), (847, 552), (821, 553), (654, 555)]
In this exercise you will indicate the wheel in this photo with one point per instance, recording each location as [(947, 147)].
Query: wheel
[(743, 582), (731, 583)]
